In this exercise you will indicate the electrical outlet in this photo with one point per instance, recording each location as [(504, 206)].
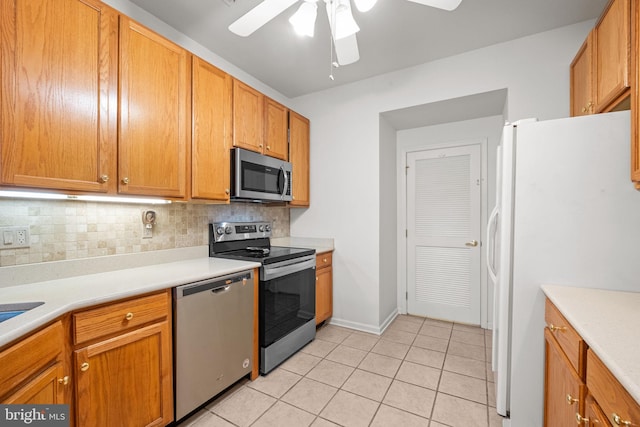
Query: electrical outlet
[(14, 237)]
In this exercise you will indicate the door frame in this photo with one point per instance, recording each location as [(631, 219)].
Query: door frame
[(402, 259)]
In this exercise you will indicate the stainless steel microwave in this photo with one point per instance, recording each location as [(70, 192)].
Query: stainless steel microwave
[(255, 177)]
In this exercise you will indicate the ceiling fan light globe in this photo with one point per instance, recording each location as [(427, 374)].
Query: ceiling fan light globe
[(345, 25), (304, 20), (365, 5)]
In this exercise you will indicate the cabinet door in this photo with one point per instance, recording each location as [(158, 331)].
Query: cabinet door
[(324, 294), (154, 94), (564, 390), (58, 94), (612, 54), (581, 74), (211, 132), (593, 414), (276, 130), (299, 157), (48, 387), (635, 98), (248, 117), (127, 377)]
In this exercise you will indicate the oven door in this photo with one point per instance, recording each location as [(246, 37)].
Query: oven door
[(287, 297)]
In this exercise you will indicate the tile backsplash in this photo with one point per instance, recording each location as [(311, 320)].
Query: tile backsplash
[(63, 230)]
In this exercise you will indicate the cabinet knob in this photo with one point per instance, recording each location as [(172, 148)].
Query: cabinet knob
[(619, 421), (84, 367), (581, 420), (268, 148), (128, 316), (104, 179), (324, 260), (64, 380), (125, 180), (260, 145), (226, 191), (317, 278), (571, 400), (554, 328)]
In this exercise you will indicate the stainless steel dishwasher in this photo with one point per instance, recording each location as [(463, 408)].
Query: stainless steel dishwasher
[(213, 336)]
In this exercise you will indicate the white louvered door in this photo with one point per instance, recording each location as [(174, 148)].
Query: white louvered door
[(443, 253)]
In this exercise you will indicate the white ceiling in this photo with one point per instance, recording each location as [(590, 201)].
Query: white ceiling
[(395, 34)]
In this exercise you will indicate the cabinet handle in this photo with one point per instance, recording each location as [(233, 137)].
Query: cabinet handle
[(268, 148), (260, 145), (104, 179), (571, 400), (619, 421), (128, 316), (64, 380), (84, 367), (581, 420), (317, 278), (226, 191), (554, 328), (125, 180), (324, 260)]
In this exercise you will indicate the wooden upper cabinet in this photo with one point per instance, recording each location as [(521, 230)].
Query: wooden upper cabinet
[(58, 94), (211, 132), (248, 117), (276, 142), (153, 143), (635, 98), (581, 75), (612, 55), (299, 157)]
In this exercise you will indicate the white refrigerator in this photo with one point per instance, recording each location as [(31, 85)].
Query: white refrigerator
[(567, 214)]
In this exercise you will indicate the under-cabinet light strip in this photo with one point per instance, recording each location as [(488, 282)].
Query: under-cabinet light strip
[(85, 198)]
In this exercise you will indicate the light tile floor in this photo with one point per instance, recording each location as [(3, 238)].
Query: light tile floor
[(419, 372)]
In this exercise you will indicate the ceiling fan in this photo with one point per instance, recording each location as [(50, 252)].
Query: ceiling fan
[(343, 26)]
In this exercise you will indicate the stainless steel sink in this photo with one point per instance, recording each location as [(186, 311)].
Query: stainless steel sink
[(7, 311)]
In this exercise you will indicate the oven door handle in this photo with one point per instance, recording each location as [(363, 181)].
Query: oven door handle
[(275, 272)]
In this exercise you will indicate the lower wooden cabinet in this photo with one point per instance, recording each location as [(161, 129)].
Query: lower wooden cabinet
[(564, 389), (34, 370), (125, 377), (590, 396), (324, 287)]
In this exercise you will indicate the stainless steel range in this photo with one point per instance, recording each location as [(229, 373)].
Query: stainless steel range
[(287, 298)]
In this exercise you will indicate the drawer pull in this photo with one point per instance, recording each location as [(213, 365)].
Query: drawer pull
[(128, 316), (581, 420), (571, 400), (84, 367), (554, 328), (619, 421), (324, 260), (64, 380)]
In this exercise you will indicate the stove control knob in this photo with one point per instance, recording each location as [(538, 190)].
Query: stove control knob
[(220, 231), (261, 228), (228, 229), (267, 228)]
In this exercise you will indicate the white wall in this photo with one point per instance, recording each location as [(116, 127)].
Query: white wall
[(487, 129), (345, 146), (388, 307)]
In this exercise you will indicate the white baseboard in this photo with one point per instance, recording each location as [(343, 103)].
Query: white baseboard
[(363, 327)]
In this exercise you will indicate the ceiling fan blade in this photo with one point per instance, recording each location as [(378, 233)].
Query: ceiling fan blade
[(440, 4), (258, 16), (347, 50)]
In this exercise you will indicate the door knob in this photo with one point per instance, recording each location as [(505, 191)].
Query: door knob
[(472, 243)]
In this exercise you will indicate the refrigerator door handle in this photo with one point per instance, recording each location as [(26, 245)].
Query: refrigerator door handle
[(491, 243)]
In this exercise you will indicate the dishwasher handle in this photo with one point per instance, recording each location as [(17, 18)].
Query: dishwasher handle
[(216, 285)]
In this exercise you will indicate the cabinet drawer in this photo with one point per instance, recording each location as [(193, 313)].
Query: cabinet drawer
[(571, 343), (114, 318), (616, 403), (323, 260), (30, 356)]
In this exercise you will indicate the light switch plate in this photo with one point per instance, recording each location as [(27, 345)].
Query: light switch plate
[(14, 237)]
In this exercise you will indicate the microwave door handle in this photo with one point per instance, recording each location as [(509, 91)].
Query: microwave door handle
[(284, 181)]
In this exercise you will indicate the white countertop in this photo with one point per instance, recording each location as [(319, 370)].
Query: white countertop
[(71, 293), (609, 322)]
